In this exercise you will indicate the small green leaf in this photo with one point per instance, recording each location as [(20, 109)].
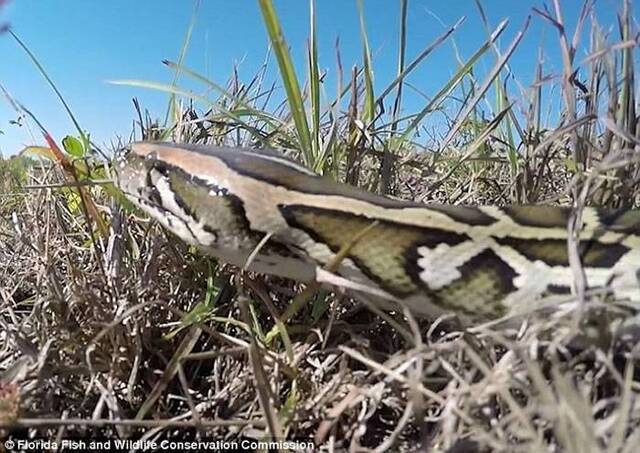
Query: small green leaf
[(73, 202), (289, 407), (320, 305), (572, 165), (73, 146), (202, 311)]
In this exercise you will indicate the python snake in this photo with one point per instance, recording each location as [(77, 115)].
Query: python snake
[(483, 262)]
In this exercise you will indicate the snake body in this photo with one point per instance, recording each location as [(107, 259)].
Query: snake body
[(484, 262)]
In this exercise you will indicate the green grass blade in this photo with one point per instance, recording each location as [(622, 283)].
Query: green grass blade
[(388, 152), (289, 78), (502, 99), (171, 109), (402, 50), (369, 110), (314, 86)]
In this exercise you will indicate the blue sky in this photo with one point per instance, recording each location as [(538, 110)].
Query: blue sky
[(82, 44)]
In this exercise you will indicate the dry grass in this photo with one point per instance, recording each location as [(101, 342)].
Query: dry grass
[(132, 334), (86, 353)]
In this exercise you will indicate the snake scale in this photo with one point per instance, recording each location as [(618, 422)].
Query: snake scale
[(485, 262)]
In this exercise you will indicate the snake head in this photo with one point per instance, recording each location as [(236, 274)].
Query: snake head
[(155, 177)]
